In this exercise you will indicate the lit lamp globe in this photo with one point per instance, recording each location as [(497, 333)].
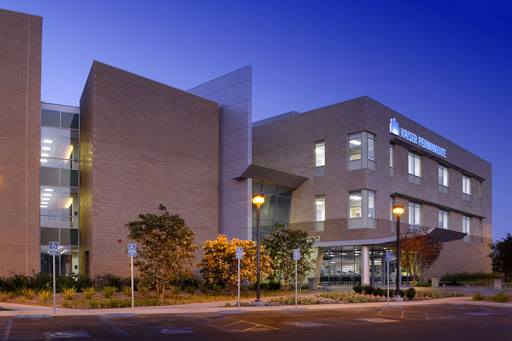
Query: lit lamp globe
[(398, 210), (258, 199)]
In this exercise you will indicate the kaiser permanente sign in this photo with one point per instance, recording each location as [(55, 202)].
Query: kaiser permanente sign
[(394, 128)]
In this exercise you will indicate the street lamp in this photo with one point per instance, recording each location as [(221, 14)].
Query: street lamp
[(398, 211), (258, 200)]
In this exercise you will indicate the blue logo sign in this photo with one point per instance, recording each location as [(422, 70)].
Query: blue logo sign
[(296, 254), (388, 256), (239, 253), (54, 248), (132, 250), (394, 127)]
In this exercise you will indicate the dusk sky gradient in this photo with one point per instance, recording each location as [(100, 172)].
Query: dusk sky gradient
[(445, 64)]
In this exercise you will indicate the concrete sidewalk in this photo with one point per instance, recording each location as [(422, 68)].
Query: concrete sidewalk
[(212, 307)]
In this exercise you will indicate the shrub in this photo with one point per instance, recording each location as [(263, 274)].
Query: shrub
[(109, 291), (112, 281), (127, 291), (478, 296), (218, 288), (89, 292), (175, 290), (456, 278), (63, 283), (69, 293), (142, 289), (82, 282), (501, 297), (379, 292), (45, 295), (272, 285), (410, 293), (368, 289), (28, 293), (358, 288), (402, 293), (424, 285), (203, 288), (190, 289)]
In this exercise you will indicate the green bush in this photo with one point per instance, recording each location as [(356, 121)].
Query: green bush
[(410, 293), (89, 292), (175, 290), (218, 288), (82, 282), (402, 293), (45, 295), (457, 278), (271, 285), (190, 289), (127, 291), (368, 289), (501, 297), (190, 282), (109, 291), (142, 289), (28, 293), (379, 292), (478, 296), (69, 293), (358, 288), (424, 285), (203, 288)]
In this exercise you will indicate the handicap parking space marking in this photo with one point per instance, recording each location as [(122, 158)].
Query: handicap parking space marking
[(174, 331), (230, 324), (479, 313), (307, 324), (113, 326), (7, 329), (65, 335), (377, 320)]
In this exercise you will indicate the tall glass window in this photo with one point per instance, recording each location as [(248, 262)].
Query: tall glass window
[(355, 203), (392, 159), (319, 158), (414, 166), (371, 205), (414, 216), (443, 219), (354, 147), (276, 208), (443, 179), (466, 228), (371, 147), (319, 212), (466, 188), (59, 181), (391, 215)]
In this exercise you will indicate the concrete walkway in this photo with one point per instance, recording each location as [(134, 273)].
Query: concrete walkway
[(212, 307)]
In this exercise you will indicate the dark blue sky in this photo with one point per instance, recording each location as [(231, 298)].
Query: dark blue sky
[(445, 64)]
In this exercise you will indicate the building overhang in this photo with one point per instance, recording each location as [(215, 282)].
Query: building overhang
[(272, 177), (442, 234)]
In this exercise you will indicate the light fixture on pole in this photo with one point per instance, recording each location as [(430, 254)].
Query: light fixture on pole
[(398, 211), (258, 200)]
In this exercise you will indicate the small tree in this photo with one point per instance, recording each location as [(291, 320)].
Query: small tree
[(280, 244), (220, 267), (501, 256), (419, 252), (166, 248)]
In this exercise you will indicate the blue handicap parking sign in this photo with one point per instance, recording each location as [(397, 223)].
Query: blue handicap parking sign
[(54, 248), (296, 254), (132, 250), (388, 256), (239, 253)]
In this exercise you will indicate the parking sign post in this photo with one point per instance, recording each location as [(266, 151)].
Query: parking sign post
[(296, 257), (54, 251), (388, 260), (132, 252), (239, 255)]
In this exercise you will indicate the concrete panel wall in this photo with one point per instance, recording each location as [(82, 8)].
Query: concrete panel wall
[(143, 143), (234, 95), (20, 141)]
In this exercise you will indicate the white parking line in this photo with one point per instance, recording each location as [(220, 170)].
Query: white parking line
[(8, 329), (114, 327)]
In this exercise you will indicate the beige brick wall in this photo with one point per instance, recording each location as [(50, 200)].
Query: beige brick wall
[(20, 135), (288, 145), (143, 143)]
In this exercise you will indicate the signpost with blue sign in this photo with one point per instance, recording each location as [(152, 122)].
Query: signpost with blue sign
[(239, 254), (388, 260), (296, 257), (54, 251), (132, 252)]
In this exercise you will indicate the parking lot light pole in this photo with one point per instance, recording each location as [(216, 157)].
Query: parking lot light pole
[(258, 200), (398, 211)]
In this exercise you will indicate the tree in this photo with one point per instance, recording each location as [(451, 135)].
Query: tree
[(166, 248), (501, 256), (280, 244), (220, 267), (419, 252)]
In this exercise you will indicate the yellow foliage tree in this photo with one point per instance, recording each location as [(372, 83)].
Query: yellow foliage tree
[(220, 267)]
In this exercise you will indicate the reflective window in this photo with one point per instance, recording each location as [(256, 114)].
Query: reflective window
[(414, 216), (371, 147), (276, 208), (466, 185), (443, 219), (466, 228), (443, 176), (355, 203), (319, 212), (69, 120), (354, 147), (392, 155), (50, 118), (371, 205), (414, 167), (319, 153)]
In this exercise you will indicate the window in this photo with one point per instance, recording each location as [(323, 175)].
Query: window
[(391, 215), (319, 212), (480, 188), (354, 147), (443, 219), (466, 228), (355, 199), (319, 158), (443, 179), (414, 216), (362, 209), (466, 188), (371, 147), (414, 165), (361, 151), (392, 159)]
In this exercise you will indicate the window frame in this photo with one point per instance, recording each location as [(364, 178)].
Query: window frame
[(319, 223), (414, 167)]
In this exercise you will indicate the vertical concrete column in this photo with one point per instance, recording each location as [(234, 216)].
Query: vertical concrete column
[(319, 259), (365, 265)]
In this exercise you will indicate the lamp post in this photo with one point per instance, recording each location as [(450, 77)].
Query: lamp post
[(258, 200), (398, 211)]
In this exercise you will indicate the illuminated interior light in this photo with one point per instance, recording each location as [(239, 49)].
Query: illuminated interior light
[(44, 206), (44, 160), (45, 198), (47, 194), (47, 141), (46, 148), (68, 203), (70, 151), (48, 189), (45, 155), (355, 142), (355, 197)]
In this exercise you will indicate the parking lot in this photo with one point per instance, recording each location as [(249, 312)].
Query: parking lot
[(425, 322)]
